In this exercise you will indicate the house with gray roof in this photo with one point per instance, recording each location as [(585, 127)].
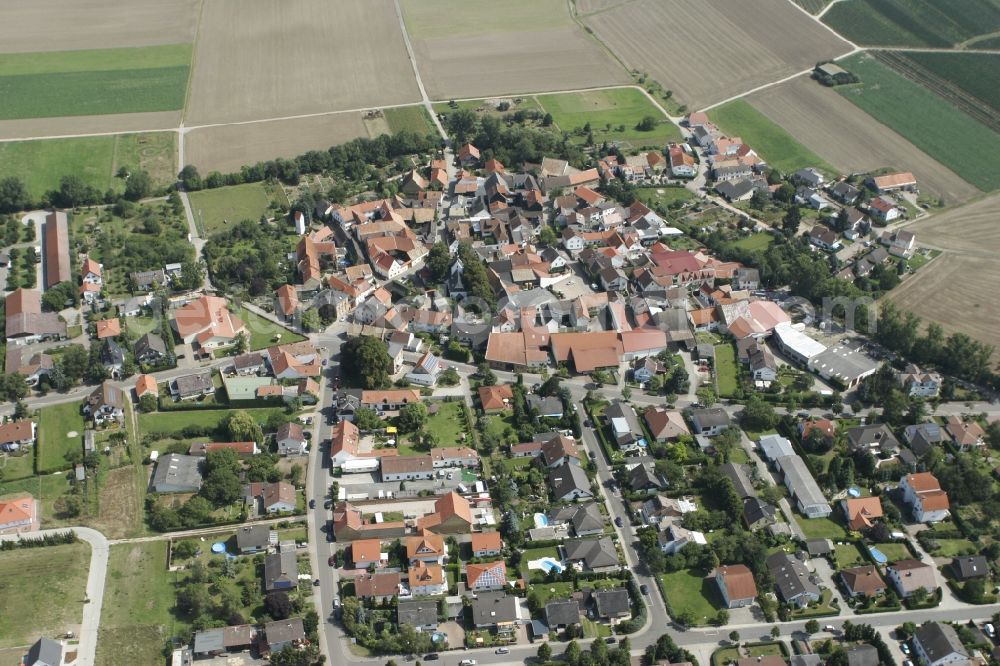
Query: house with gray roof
[(792, 580), (586, 519), (625, 427), (757, 513), (923, 437), (612, 605), (253, 539), (969, 567), (862, 655), (281, 571), (709, 422), (547, 406), (44, 652), (598, 555), (282, 633), (774, 447), (562, 613), (569, 483), (177, 473), (808, 496), (740, 478), (192, 386), (497, 611), (643, 478), (421, 614), (938, 644), (150, 348), (876, 438)]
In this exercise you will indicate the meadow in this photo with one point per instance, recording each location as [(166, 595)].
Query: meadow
[(220, 208), (93, 82), (776, 146), (934, 23), (409, 119), (607, 111), (60, 431), (929, 122), (40, 164)]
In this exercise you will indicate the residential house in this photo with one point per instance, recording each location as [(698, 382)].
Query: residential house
[(38, 365), (251, 363), (452, 515), (486, 576), (862, 655), (612, 605), (367, 553), (923, 437), (468, 155), (845, 193), (746, 279), (901, 243), (105, 403), (792, 580), (625, 427), (644, 368), (740, 479), (967, 435), (775, 446), (569, 483), (923, 493), (44, 652), (427, 548), (426, 579), (19, 514), (420, 614), (196, 385), (380, 586), (281, 571), (176, 473), (885, 209), (710, 422), (291, 439), (253, 539), (282, 633), (112, 357), (243, 450), (970, 567), (426, 370), (908, 576), (350, 524), (387, 403), (548, 406), (937, 644), (666, 425), (26, 323), (758, 514), (875, 438), (16, 435), (560, 614), (919, 384), (825, 238), (894, 182), (862, 581), (682, 163), (596, 555), (805, 491), (496, 611), (809, 177), (486, 544), (675, 537), (495, 399), (642, 478), (407, 468), (763, 367), (736, 585), (557, 449), (659, 507), (278, 497), (585, 519), (150, 348), (861, 512), (207, 321)]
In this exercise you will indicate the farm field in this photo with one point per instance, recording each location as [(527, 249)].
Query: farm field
[(227, 148), (60, 430), (812, 6), (29, 128), (269, 59), (771, 142), (959, 74), (94, 24), (929, 122), (935, 23), (849, 139), (743, 52), (42, 163), (471, 49), (606, 110), (137, 616), (81, 83), (222, 207), (41, 591), (409, 119), (587, 6)]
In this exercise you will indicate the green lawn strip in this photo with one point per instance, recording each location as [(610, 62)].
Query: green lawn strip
[(953, 547), (928, 121), (174, 422), (664, 196), (731, 655), (264, 332), (606, 110), (894, 552), (725, 369), (409, 119), (223, 207), (759, 241), (820, 528), (43, 591), (691, 591), (55, 425), (822, 609), (95, 60), (137, 616), (767, 138)]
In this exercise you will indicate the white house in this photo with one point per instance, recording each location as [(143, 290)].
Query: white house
[(924, 495), (426, 371)]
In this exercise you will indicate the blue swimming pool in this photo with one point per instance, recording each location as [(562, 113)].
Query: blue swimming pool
[(878, 555)]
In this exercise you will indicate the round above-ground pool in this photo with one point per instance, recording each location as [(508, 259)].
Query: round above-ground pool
[(218, 547)]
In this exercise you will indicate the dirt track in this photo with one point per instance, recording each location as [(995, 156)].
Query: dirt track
[(229, 147), (273, 58), (125, 122), (711, 50), (850, 139), (57, 25)]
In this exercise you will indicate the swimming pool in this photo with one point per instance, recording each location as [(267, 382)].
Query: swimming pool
[(878, 555), (541, 520), (547, 564)]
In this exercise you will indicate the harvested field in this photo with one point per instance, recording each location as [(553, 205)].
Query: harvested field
[(936, 23), (930, 122), (969, 229), (30, 128), (588, 6), (259, 59), (44, 25), (739, 54), (228, 147), (469, 49), (813, 6), (850, 139), (120, 502)]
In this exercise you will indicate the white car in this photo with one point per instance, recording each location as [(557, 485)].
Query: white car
[(467, 662), (990, 630)]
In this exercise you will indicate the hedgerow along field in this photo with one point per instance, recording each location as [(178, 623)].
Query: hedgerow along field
[(42, 163), (93, 82), (935, 23), (950, 136), (776, 146)]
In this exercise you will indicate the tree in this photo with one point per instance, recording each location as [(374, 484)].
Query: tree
[(240, 346), (185, 549), (486, 374), (547, 237), (366, 360), (13, 387), (758, 415), (13, 195), (278, 605), (221, 483), (462, 124), (310, 321), (775, 631), (74, 192), (438, 262), (812, 626), (544, 652), (190, 178), (242, 427), (647, 124), (734, 636), (790, 223), (367, 419), (412, 417), (138, 185)]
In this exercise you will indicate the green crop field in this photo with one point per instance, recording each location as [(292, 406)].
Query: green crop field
[(935, 23), (60, 431), (223, 207), (812, 6), (409, 119), (78, 83), (42, 163), (607, 111), (974, 73), (954, 139), (767, 138)]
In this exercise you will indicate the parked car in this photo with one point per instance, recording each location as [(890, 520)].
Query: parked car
[(502, 650), (644, 589), (588, 423), (467, 662), (610, 640), (905, 648), (619, 522), (433, 656), (312, 504), (593, 456), (332, 561), (990, 630)]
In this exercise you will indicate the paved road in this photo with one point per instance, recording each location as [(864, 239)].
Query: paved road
[(91, 621)]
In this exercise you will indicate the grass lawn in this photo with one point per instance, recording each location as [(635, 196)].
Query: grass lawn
[(537, 554), (848, 555), (820, 528), (174, 422), (60, 430), (690, 591), (732, 654), (19, 466), (932, 124), (218, 209), (664, 196), (953, 547), (767, 138), (498, 424), (137, 615), (725, 370), (606, 111), (263, 331), (824, 608), (480, 105), (409, 119), (448, 425), (759, 241), (593, 629), (93, 82), (516, 463), (894, 551), (42, 591)]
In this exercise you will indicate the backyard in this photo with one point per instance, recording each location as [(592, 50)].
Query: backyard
[(820, 528), (689, 592), (264, 332), (60, 431), (848, 555), (725, 370), (42, 591), (447, 425)]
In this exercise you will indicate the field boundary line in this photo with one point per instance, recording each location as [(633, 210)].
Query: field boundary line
[(194, 55), (592, 34), (816, 18)]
